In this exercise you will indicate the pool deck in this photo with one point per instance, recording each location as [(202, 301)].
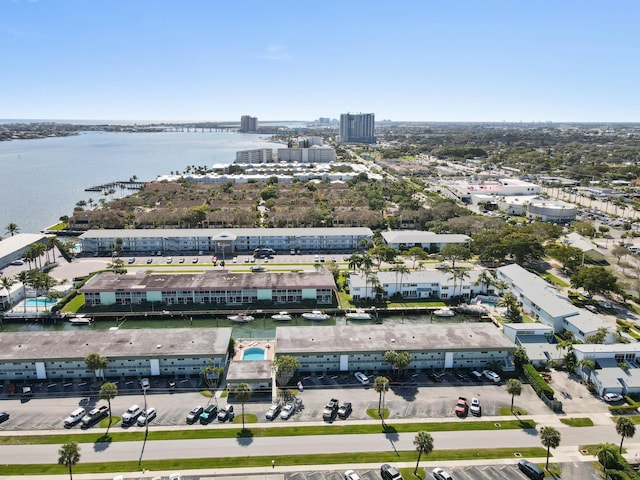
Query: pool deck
[(22, 310), (246, 343)]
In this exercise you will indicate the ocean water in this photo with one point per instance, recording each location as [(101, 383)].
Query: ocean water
[(43, 179)]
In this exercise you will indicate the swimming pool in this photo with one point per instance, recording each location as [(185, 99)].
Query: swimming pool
[(253, 353), (39, 302)]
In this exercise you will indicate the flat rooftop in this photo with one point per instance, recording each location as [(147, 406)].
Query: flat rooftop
[(380, 338), (222, 280), (143, 342), (231, 232)]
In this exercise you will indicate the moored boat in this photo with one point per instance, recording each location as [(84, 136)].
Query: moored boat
[(80, 319), (444, 312), (359, 314), (315, 315), (241, 318), (283, 316)]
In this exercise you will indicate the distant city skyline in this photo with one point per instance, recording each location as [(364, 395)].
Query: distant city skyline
[(416, 60)]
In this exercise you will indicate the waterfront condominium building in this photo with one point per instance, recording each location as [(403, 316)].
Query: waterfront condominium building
[(248, 124), (357, 128)]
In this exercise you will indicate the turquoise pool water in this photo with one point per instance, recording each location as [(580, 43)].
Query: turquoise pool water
[(253, 353), (39, 302)]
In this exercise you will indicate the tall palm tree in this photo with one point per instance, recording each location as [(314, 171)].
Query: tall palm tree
[(587, 364), (242, 393), (607, 455), (69, 455), (501, 286), (401, 270), (514, 387), (550, 438), (625, 428), (458, 273), (108, 392), (23, 278), (485, 279), (12, 229), (424, 444), (381, 386), (95, 362), (355, 261), (7, 283)]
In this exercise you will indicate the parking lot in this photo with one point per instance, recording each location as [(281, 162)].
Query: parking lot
[(420, 397)]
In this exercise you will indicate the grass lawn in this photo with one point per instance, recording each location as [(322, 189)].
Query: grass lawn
[(272, 431), (74, 304), (577, 422), (503, 411), (373, 413), (254, 461), (556, 281)]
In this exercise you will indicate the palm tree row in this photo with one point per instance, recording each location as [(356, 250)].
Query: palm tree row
[(39, 281)]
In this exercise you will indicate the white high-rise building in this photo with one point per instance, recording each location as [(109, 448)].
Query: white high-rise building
[(248, 123), (357, 128)]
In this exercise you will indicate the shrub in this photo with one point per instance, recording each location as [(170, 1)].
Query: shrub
[(537, 382)]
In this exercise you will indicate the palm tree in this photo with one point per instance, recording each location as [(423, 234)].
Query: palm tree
[(550, 438), (242, 393), (514, 387), (401, 270), (95, 362), (424, 444), (12, 229), (211, 375), (108, 392), (607, 455), (7, 283), (625, 428), (355, 261), (501, 285), (69, 455), (381, 386), (486, 278), (23, 277), (587, 364), (458, 273)]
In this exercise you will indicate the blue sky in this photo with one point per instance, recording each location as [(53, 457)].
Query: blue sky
[(423, 60)]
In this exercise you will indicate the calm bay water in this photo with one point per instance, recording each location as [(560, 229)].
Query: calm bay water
[(43, 179)]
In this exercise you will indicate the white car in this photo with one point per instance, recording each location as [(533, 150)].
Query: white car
[(491, 375), (351, 475), (287, 411), (605, 305), (144, 383), (147, 416), (475, 407), (440, 474), (612, 397), (362, 378)]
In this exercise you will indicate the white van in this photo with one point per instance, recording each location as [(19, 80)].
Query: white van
[(74, 417), (493, 376)]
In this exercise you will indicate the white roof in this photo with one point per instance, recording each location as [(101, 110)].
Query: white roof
[(418, 236), (18, 241)]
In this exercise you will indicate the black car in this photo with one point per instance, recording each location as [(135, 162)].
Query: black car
[(194, 414), (94, 416), (388, 472), (209, 414), (345, 410), (436, 377), (4, 416)]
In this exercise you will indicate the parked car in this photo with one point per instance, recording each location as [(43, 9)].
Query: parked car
[(491, 375), (345, 410), (94, 416), (144, 383), (131, 415), (131, 260), (440, 474), (273, 412), (531, 470), (436, 377), (194, 260), (4, 416), (194, 414), (181, 260), (149, 260), (362, 378), (146, 417), (389, 472), (287, 411), (605, 305), (169, 260), (351, 475), (208, 414), (461, 407), (74, 417), (331, 410), (612, 397), (226, 413), (475, 407)]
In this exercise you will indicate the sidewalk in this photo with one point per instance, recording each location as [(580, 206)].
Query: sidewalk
[(568, 453)]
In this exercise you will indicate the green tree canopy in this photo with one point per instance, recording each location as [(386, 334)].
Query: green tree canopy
[(595, 280), (424, 444), (286, 366), (95, 362), (453, 253), (550, 438), (108, 391), (514, 388), (242, 393), (625, 428), (381, 386), (69, 456)]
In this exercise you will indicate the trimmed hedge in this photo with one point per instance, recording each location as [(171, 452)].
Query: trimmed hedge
[(537, 382)]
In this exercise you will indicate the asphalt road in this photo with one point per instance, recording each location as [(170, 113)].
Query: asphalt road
[(265, 446)]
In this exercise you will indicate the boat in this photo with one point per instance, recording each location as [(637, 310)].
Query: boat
[(241, 318), (472, 309), (444, 312), (359, 314), (315, 315), (80, 319), (282, 316)]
